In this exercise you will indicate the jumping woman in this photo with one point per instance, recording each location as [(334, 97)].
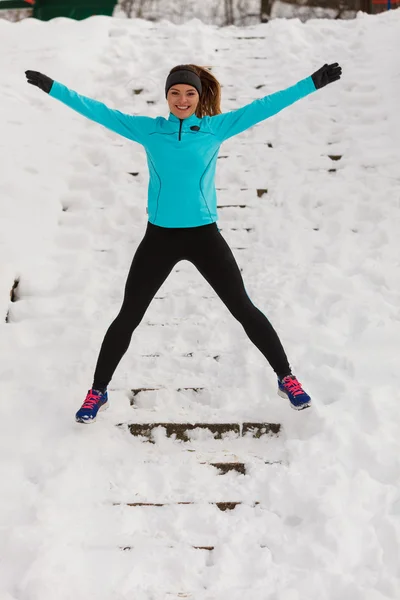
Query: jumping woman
[(182, 209)]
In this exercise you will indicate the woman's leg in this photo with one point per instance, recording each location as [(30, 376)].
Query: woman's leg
[(214, 259), (152, 263)]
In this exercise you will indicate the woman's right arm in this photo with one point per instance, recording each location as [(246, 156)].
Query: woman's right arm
[(132, 127)]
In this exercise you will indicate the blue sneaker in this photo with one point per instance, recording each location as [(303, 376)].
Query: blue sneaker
[(290, 388), (94, 402)]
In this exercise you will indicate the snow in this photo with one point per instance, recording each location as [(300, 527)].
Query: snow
[(321, 261)]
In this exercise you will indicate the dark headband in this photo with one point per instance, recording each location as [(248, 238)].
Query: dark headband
[(183, 76)]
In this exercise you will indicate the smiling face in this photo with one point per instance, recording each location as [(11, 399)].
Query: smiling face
[(184, 96)]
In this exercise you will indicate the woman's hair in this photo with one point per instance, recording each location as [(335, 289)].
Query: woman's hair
[(210, 99)]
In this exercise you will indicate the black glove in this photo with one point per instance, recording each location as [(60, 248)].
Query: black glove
[(41, 81), (326, 74)]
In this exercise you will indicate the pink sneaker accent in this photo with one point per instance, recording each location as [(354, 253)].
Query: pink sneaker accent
[(91, 399), (293, 385), (94, 402)]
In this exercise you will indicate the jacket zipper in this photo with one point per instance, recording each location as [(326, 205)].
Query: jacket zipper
[(180, 128)]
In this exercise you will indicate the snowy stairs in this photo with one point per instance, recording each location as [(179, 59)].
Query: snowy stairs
[(181, 430), (233, 449), (213, 476), (200, 514), (193, 509)]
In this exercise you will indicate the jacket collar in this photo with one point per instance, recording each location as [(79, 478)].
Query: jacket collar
[(192, 120)]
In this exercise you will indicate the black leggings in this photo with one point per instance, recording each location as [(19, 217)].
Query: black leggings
[(158, 252)]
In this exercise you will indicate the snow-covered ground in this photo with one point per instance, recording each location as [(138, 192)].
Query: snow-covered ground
[(320, 256)]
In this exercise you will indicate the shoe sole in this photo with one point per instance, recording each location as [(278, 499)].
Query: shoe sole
[(302, 407), (88, 421)]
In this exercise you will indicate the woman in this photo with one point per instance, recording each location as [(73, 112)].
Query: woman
[(182, 215)]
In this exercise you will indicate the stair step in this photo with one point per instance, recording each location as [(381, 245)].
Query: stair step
[(252, 458), (172, 546), (225, 467), (223, 506), (221, 458), (136, 391), (180, 430), (209, 548), (221, 206)]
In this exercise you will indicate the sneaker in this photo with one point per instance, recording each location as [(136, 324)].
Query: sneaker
[(94, 402), (290, 388)]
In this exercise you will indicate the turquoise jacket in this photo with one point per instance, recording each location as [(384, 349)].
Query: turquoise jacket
[(182, 153)]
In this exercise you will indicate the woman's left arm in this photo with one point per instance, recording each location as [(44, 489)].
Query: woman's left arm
[(231, 123)]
